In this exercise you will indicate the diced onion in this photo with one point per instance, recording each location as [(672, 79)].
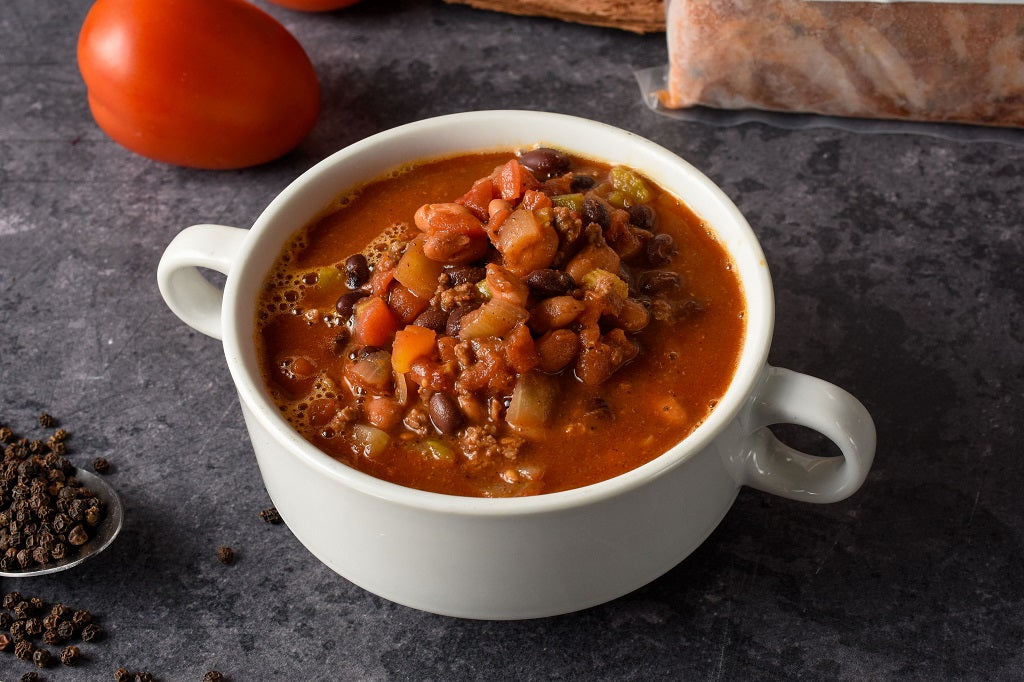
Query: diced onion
[(369, 441)]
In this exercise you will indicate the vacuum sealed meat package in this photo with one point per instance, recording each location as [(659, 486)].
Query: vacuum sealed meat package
[(929, 61)]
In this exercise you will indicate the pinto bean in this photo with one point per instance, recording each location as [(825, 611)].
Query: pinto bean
[(448, 217), (556, 312), (454, 248), (557, 349)]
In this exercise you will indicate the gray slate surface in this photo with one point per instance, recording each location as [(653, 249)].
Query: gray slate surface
[(897, 261)]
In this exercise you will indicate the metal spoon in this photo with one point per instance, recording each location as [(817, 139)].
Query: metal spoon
[(105, 533)]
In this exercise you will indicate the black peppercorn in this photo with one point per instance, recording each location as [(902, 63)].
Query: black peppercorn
[(66, 629), (91, 632), (29, 677), (51, 636), (33, 627), (270, 515), (100, 465), (5, 641), (41, 657), (213, 676), (46, 421), (81, 617), (24, 649), (5, 620), (70, 655), (143, 676), (22, 610), (122, 675), (59, 610), (225, 555)]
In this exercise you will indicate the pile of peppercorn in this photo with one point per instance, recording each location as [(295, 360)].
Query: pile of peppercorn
[(24, 621), (45, 512)]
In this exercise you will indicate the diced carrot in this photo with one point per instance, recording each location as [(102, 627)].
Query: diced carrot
[(534, 199), (373, 322), (411, 343), (405, 304), (477, 198), (510, 180)]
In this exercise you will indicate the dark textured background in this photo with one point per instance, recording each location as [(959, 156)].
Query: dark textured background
[(897, 261)]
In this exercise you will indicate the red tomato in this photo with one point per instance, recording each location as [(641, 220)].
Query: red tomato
[(200, 83), (314, 5)]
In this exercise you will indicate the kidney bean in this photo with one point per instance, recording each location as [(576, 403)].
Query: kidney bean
[(546, 283), (358, 270), (347, 301), (545, 162), (655, 281), (445, 413), (660, 250), (454, 323), (595, 212), (465, 274), (643, 216), (432, 318)]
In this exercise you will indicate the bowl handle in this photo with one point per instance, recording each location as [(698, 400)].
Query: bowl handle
[(787, 397), (186, 292)]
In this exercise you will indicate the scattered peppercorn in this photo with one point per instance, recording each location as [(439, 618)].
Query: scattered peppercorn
[(5, 641), (31, 676), (122, 675), (225, 555), (91, 632), (81, 617), (46, 421), (12, 598), (213, 676), (70, 655), (270, 515), (143, 676), (100, 465)]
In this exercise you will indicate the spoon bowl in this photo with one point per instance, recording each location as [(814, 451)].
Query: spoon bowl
[(106, 531)]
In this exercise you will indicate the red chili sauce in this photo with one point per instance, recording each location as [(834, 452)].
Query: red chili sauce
[(501, 324)]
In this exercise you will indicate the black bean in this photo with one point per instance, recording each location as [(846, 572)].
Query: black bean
[(656, 281), (347, 301), (643, 216), (454, 323), (358, 271), (467, 274), (445, 413), (595, 212), (581, 183), (545, 162), (660, 250), (432, 318), (548, 283)]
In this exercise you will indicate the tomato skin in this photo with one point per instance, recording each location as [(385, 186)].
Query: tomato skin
[(314, 5), (211, 84)]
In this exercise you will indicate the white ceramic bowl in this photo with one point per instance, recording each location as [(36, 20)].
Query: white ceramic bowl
[(522, 557)]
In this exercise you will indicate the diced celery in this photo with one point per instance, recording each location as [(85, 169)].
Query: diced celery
[(330, 277), (632, 186), (572, 201), (438, 450), (484, 289), (598, 280)]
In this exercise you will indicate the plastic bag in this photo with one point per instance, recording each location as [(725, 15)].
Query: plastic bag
[(886, 61)]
